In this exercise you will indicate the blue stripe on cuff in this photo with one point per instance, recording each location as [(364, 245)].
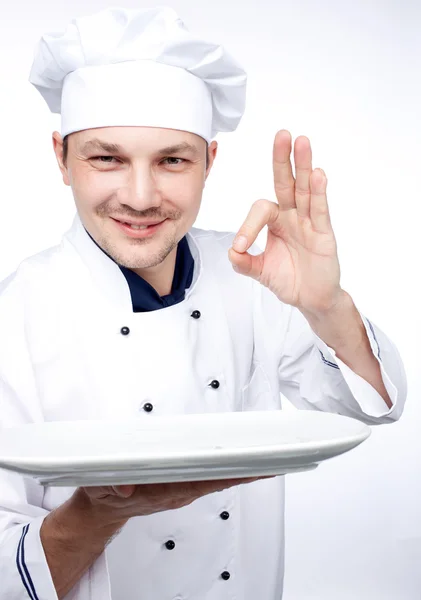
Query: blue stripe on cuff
[(19, 566), (23, 569), (327, 362)]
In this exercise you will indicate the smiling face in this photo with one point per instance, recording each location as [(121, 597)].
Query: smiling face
[(149, 177)]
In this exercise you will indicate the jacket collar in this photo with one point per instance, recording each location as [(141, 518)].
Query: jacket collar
[(106, 274)]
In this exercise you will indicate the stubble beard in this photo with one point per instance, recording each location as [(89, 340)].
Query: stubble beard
[(137, 255)]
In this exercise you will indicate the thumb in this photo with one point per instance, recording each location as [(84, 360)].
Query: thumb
[(246, 264)]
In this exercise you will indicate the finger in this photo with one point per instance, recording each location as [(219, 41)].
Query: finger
[(282, 170), (246, 264), (303, 169), (228, 483), (319, 210), (262, 212), (203, 488), (97, 492), (124, 491)]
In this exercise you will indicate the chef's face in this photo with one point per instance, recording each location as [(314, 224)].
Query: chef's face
[(137, 175)]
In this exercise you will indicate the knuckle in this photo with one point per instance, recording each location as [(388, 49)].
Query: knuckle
[(283, 188), (266, 206), (262, 204)]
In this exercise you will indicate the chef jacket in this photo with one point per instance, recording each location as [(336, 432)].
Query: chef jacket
[(144, 296), (72, 348)]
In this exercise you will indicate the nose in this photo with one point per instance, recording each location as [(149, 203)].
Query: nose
[(141, 190)]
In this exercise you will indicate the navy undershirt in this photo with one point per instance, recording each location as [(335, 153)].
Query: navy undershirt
[(144, 297)]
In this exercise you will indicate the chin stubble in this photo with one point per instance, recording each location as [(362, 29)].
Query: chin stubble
[(130, 260)]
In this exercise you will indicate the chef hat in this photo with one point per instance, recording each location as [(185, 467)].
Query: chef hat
[(138, 67)]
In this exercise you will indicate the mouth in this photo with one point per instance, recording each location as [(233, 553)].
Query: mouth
[(139, 230)]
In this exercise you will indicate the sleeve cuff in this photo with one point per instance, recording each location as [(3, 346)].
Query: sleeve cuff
[(369, 400), (35, 576), (31, 563)]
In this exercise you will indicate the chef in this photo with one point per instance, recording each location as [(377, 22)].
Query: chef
[(136, 313)]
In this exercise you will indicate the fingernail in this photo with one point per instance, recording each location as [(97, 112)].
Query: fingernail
[(240, 243)]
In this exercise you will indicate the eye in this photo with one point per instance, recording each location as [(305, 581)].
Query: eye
[(174, 158), (103, 159)]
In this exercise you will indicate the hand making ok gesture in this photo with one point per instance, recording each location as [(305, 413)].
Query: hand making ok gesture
[(300, 262)]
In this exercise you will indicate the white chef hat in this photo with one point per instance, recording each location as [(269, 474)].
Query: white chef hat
[(138, 67)]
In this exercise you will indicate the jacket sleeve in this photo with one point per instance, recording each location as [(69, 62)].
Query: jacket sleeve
[(311, 376), (24, 572)]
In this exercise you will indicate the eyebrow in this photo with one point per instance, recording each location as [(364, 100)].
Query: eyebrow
[(98, 145), (177, 148)]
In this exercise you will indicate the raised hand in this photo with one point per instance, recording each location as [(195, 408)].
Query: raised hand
[(300, 262)]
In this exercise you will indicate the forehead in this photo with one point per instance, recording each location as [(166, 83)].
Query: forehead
[(136, 139)]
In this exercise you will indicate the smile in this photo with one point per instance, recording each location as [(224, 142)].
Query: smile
[(138, 231)]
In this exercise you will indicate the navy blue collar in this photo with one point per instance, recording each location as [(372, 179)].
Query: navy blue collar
[(144, 297)]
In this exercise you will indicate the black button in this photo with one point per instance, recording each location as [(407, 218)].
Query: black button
[(124, 331), (215, 384), (170, 545), (196, 314), (225, 575), (148, 407), (225, 515)]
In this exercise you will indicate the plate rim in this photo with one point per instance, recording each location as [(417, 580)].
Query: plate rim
[(281, 450)]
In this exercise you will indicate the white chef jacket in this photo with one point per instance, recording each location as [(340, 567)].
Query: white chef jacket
[(63, 357)]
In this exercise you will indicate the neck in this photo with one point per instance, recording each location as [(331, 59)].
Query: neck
[(161, 276)]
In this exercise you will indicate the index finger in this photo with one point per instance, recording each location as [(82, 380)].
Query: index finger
[(262, 212)]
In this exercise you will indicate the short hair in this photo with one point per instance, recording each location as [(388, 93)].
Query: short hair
[(66, 150)]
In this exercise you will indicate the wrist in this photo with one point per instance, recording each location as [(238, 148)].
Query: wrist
[(341, 327), (78, 522), (343, 303)]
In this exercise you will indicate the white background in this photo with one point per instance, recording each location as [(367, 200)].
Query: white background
[(346, 74)]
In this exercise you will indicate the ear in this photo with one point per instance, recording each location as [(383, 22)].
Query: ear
[(58, 150), (212, 152)]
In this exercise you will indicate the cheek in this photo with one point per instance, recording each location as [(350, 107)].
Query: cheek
[(184, 191), (91, 188)]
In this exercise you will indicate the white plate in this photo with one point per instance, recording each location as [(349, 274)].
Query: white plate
[(177, 448)]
